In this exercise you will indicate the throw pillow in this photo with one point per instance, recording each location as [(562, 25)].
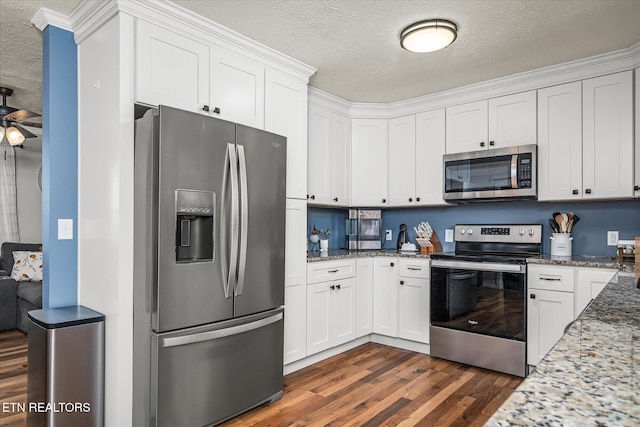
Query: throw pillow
[(27, 266)]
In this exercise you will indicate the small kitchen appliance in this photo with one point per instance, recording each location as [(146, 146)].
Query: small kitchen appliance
[(364, 229), (491, 174), (478, 296), (403, 236)]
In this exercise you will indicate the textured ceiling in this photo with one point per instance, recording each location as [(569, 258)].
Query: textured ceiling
[(354, 43)]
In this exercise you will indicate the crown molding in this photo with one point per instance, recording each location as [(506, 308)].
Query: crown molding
[(45, 17), (328, 100)]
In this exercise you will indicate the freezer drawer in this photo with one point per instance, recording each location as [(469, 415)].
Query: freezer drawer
[(208, 374)]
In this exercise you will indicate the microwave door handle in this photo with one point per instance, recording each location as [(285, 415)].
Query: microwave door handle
[(514, 171)]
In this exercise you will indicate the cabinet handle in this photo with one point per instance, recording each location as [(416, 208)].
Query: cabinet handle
[(335, 199), (205, 108), (402, 282), (384, 200), (414, 268), (575, 191), (391, 264), (417, 199), (492, 143), (216, 110), (636, 188), (338, 286), (588, 191), (482, 144), (313, 197), (550, 279), (333, 271), (532, 296), (410, 199), (332, 287)]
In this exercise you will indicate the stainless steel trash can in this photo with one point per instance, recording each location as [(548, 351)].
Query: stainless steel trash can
[(65, 368)]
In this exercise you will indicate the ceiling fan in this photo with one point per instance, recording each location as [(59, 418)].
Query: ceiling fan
[(12, 121)]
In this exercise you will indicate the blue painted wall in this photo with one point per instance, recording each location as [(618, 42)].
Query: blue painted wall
[(589, 235), (59, 166)]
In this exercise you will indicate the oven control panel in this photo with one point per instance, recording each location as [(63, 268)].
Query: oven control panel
[(513, 233)]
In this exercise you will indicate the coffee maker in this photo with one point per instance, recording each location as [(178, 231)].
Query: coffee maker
[(403, 236)]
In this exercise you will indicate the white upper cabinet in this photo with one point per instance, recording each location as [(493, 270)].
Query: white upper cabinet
[(329, 157), (237, 89), (560, 142), (467, 127), (430, 147), (607, 146), (512, 120), (497, 123), (369, 162), (170, 69), (416, 147), (402, 161), (285, 114)]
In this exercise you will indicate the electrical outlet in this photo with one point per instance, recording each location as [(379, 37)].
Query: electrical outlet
[(612, 238), (448, 235), (389, 235)]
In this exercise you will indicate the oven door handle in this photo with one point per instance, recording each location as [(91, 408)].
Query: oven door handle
[(480, 266)]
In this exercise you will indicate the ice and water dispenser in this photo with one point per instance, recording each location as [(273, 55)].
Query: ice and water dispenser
[(195, 222)]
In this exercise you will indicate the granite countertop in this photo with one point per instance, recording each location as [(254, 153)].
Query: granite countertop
[(576, 261), (592, 375), (313, 256)]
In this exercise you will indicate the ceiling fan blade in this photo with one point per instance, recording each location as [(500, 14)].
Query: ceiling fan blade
[(32, 124), (21, 115), (24, 132)]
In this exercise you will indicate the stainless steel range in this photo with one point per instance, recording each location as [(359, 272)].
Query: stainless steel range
[(478, 296)]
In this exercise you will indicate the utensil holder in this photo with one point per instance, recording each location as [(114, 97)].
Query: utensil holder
[(561, 244)]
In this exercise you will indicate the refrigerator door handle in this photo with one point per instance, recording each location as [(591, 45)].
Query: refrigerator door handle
[(220, 333), (244, 219), (229, 267)]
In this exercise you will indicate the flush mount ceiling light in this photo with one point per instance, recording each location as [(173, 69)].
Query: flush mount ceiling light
[(429, 35)]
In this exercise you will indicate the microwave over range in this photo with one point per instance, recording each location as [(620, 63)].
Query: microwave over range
[(491, 174)]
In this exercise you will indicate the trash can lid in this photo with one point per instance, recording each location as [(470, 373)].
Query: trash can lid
[(62, 317)]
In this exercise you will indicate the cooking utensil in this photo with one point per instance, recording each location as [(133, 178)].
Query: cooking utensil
[(558, 220), (574, 221), (554, 215), (554, 226), (565, 223)]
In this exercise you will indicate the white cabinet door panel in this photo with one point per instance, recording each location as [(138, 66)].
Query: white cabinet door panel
[(560, 142), (369, 162), (430, 147), (340, 160), (512, 120), (467, 127), (344, 311), (385, 296), (402, 162), (170, 69), (608, 136), (549, 312), (319, 318), (286, 115), (413, 309), (319, 160), (589, 283), (237, 89)]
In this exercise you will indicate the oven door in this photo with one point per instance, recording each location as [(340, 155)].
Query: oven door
[(479, 297)]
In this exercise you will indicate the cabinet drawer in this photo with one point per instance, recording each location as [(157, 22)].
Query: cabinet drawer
[(324, 271), (551, 278), (414, 268)]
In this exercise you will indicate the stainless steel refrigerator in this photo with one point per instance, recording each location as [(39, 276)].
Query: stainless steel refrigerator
[(209, 229)]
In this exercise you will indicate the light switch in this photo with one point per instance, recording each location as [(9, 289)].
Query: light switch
[(65, 229), (448, 235)]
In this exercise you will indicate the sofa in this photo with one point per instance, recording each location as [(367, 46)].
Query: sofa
[(17, 297)]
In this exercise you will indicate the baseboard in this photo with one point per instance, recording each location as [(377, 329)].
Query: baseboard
[(379, 339)]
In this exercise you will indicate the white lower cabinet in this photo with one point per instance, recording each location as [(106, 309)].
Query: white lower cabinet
[(413, 300), (556, 297), (401, 298), (385, 296), (331, 307)]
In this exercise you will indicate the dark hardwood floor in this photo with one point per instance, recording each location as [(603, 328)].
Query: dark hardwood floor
[(371, 385), (13, 377)]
